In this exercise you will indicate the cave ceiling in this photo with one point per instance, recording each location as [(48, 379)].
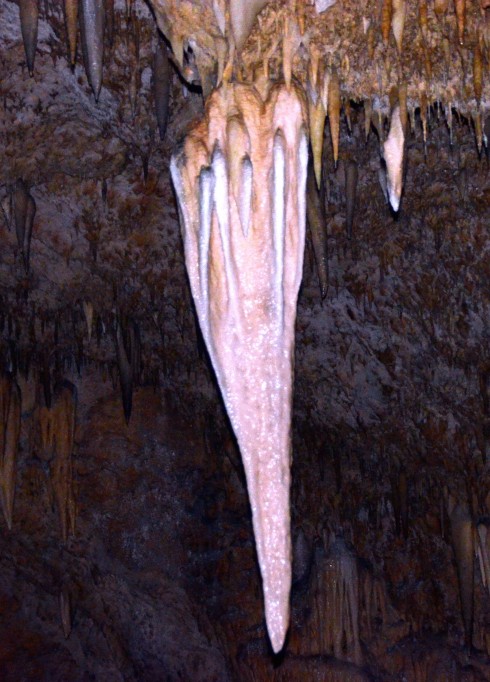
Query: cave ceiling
[(392, 357)]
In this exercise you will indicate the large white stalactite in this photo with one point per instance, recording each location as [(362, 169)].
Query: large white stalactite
[(240, 179)]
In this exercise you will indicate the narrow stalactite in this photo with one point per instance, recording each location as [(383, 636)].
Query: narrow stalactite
[(92, 33), (57, 427), (243, 229), (333, 626), (128, 354), (393, 151), (162, 79), (462, 535), (351, 176), (29, 16), (317, 223), (65, 610), (10, 417), (71, 21)]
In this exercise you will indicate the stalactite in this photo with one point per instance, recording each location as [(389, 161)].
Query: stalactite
[(92, 34), (462, 535), (88, 311), (334, 113), (71, 21), (29, 16), (317, 222), (128, 353), (58, 431), (483, 551), (316, 116), (460, 7), (334, 621), (350, 193), (302, 557), (10, 416), (24, 209), (373, 600), (477, 72), (440, 7), (65, 611), (26, 247), (393, 150), (242, 17), (109, 21), (20, 196), (386, 16), (162, 79), (399, 486), (423, 19), (245, 284), (134, 66), (398, 22)]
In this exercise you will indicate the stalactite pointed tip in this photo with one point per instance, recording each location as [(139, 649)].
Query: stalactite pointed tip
[(277, 637)]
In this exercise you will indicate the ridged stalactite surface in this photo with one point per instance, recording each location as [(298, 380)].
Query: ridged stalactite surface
[(240, 179)]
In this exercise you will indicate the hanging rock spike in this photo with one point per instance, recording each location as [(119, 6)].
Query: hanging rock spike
[(316, 118), (88, 311), (351, 175), (462, 535), (460, 7), (71, 20), (423, 19), (19, 200), (334, 113), (29, 15), (162, 79), (10, 419), (398, 22), (317, 223), (242, 17), (386, 16), (247, 311), (92, 34), (393, 151), (26, 246), (477, 72)]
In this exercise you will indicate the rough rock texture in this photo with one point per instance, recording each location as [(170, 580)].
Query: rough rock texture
[(391, 418)]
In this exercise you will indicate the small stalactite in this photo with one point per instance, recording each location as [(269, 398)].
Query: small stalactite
[(92, 21), (333, 627), (57, 426), (128, 353), (162, 80), (65, 610), (462, 537), (318, 227), (10, 417), (71, 21), (29, 16)]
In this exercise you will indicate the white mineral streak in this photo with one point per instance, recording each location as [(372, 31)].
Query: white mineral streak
[(240, 180), (393, 150), (322, 5)]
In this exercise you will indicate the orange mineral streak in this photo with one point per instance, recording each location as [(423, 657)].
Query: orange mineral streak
[(240, 181)]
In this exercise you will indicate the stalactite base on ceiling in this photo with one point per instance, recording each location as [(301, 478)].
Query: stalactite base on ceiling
[(240, 179)]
